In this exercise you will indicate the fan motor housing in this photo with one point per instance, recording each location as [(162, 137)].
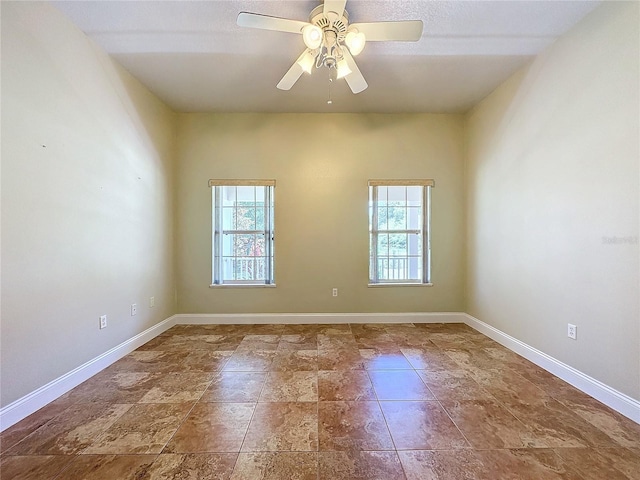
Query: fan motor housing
[(338, 25)]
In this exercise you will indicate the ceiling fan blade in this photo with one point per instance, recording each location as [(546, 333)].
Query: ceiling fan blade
[(265, 22), (336, 6), (355, 80), (292, 75), (407, 31)]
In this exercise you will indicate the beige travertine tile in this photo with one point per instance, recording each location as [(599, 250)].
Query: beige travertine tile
[(250, 361), (33, 467), (525, 464), (451, 385), (442, 465), (340, 358), (177, 388), (283, 426), (212, 427), (234, 387), (318, 328), (290, 387), (192, 466), (30, 424), (276, 466), (299, 341), (602, 463), (622, 430), (344, 385), (357, 465), (399, 385), (374, 359), (72, 431), (421, 426), (486, 424), (142, 429), (429, 359), (120, 387), (295, 360), (108, 467), (259, 342), (352, 426), (555, 425)]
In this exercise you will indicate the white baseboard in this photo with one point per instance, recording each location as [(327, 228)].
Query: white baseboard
[(321, 318), (624, 404), (25, 406)]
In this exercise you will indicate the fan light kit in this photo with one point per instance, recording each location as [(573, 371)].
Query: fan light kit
[(331, 41)]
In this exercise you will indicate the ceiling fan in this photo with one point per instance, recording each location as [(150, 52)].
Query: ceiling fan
[(332, 41)]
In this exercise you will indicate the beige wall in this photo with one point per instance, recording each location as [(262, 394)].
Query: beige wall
[(552, 180), (86, 200), (321, 163)]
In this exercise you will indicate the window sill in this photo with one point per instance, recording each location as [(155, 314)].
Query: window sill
[(243, 285), (384, 285)]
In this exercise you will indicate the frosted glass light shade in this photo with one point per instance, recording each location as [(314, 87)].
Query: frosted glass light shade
[(312, 36), (307, 62), (355, 41), (343, 69)]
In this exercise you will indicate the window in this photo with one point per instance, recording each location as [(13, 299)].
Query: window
[(399, 231), (242, 232)]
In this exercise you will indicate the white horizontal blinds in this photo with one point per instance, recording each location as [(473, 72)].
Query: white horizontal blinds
[(242, 183), (408, 183)]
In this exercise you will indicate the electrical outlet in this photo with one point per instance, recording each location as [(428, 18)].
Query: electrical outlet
[(335, 292), (152, 302), (103, 321), (134, 309), (572, 331)]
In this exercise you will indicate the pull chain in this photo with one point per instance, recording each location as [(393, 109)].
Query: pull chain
[(329, 101)]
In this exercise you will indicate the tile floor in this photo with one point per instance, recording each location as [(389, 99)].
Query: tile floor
[(383, 401)]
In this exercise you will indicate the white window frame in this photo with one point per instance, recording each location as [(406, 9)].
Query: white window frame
[(424, 231), (217, 232)]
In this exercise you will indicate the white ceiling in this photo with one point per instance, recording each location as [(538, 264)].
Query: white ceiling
[(194, 56)]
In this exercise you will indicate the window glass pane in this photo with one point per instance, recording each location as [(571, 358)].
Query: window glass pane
[(227, 268), (382, 195), (397, 244), (415, 245), (243, 245), (228, 218), (383, 270), (227, 245), (382, 219), (246, 195), (397, 218), (415, 268), (259, 192), (397, 195), (259, 213), (246, 216), (228, 196), (414, 218), (258, 247), (383, 244), (396, 268), (414, 196)]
